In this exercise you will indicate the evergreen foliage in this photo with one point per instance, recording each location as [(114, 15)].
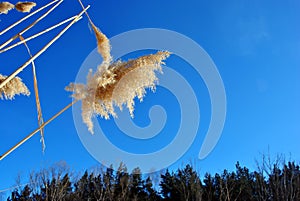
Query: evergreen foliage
[(270, 182)]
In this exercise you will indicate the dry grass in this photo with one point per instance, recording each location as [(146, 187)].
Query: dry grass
[(5, 7), (21, 68), (113, 84), (117, 85), (12, 85), (103, 43), (12, 88), (37, 97), (37, 34), (27, 16), (24, 7)]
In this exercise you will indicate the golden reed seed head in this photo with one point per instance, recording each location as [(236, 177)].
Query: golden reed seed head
[(118, 85), (103, 45), (115, 83), (5, 7), (12, 88), (24, 7)]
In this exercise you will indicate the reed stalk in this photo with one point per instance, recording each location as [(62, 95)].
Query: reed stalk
[(38, 34), (37, 97), (36, 130), (27, 16), (21, 68), (30, 26)]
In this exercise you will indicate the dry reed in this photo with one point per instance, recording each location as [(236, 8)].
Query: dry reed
[(117, 85), (24, 7), (16, 72), (30, 135), (27, 16), (5, 7), (37, 34), (103, 43), (37, 98), (30, 26), (7, 83), (14, 87), (113, 84)]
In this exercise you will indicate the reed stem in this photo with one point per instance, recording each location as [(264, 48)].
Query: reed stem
[(37, 130), (26, 17), (30, 26), (38, 34), (8, 78)]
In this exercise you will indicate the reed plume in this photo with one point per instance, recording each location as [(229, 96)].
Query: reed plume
[(36, 93), (117, 85), (103, 44), (24, 7), (12, 88), (5, 7)]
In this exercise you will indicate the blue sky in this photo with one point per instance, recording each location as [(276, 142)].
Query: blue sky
[(255, 46)]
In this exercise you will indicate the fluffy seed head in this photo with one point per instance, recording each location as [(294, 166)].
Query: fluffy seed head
[(117, 85), (12, 88), (103, 45), (24, 7), (5, 7)]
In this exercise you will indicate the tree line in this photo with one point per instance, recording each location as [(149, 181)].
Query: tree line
[(270, 182)]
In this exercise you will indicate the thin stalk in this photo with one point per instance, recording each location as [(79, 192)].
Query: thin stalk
[(37, 97), (37, 130), (30, 26), (38, 34), (86, 13), (42, 50), (26, 17), (90, 20)]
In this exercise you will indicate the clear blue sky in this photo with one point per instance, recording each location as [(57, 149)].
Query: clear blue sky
[(255, 46)]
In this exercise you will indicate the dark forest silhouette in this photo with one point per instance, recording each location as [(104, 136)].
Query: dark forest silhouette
[(271, 181)]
